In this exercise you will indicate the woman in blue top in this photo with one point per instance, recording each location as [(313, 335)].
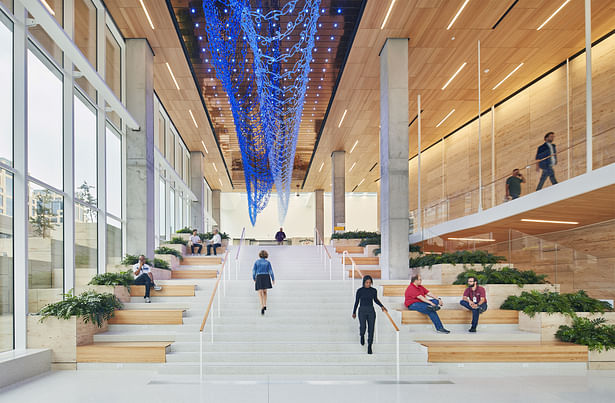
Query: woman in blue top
[(262, 274)]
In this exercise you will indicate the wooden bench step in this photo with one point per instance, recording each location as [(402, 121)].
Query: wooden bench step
[(193, 274), (349, 249), (375, 273), (201, 260), (143, 351), (147, 317), (167, 291), (462, 316), (399, 290), (360, 260), (487, 351)]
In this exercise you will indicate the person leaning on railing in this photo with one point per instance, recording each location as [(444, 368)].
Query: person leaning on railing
[(367, 295)]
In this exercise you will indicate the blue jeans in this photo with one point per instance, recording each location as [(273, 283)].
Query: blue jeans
[(475, 311), (422, 308), (546, 173)]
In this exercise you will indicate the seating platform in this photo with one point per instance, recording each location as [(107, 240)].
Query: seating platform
[(350, 249), (399, 290), (366, 261), (142, 351), (195, 274), (508, 351), (459, 316), (147, 317), (201, 260), (167, 291)]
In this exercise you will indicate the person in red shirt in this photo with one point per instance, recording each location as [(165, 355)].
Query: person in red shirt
[(474, 299), (417, 300)]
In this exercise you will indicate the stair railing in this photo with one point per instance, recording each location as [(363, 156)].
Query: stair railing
[(324, 252), (241, 241)]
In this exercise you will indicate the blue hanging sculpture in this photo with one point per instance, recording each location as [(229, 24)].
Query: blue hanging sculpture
[(279, 45)]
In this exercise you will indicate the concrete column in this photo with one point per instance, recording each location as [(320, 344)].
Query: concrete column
[(215, 207), (197, 185), (319, 196), (394, 159), (338, 190), (140, 173)]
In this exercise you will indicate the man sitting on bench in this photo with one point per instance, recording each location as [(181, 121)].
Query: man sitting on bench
[(144, 276), (416, 300), (474, 299)]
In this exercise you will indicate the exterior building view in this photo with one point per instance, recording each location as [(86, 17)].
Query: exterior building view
[(206, 199)]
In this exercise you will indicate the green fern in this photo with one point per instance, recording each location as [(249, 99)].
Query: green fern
[(593, 333), (91, 306)]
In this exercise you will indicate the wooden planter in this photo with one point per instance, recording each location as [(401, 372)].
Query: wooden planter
[(447, 273), (345, 242), (119, 291), (61, 336), (497, 293), (172, 260), (177, 246), (159, 274)]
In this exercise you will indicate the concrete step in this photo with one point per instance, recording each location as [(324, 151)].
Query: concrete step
[(306, 347), (357, 357), (122, 336)]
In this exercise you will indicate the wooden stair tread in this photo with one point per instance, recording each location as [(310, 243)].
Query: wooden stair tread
[(129, 344), (187, 274), (201, 261), (461, 316), (445, 290), (349, 249), (375, 273), (146, 351), (363, 260), (147, 317), (180, 290)]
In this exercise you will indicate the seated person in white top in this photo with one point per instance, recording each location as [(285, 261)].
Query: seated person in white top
[(215, 242), (144, 276), (196, 242)]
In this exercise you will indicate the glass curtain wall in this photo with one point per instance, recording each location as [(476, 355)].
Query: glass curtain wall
[(6, 259)]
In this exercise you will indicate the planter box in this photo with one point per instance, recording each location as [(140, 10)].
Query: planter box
[(447, 273), (159, 274), (177, 246), (369, 250), (182, 236), (345, 242), (414, 255), (497, 293), (119, 291), (603, 360), (172, 260), (547, 324), (61, 336)]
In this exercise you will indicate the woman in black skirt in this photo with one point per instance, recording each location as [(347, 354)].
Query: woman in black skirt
[(262, 274), (367, 295)]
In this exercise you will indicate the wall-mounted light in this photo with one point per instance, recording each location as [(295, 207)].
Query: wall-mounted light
[(172, 75), (509, 74), (151, 24), (457, 15), (386, 17), (454, 75), (552, 15), (446, 117)]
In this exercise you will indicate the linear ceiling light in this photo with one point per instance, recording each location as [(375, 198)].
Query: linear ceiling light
[(151, 24), (355, 144), (321, 165), (457, 15), (550, 221), (552, 15), (220, 180), (48, 7), (454, 75), (509, 74), (352, 167), (215, 167), (172, 75), (193, 119), (386, 17), (342, 119), (362, 180), (473, 239), (446, 117), (205, 147)]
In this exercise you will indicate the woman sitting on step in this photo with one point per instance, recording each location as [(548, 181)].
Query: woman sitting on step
[(367, 295), (262, 274)]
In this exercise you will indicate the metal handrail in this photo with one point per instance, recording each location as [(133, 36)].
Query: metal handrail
[(208, 310), (241, 241), (326, 255), (396, 341)]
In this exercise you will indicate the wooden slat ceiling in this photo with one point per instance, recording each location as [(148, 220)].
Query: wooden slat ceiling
[(435, 53)]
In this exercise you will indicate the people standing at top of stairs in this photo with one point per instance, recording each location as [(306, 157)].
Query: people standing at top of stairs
[(546, 159), (144, 276), (196, 242), (263, 277), (418, 298), (280, 236), (214, 242), (474, 299), (366, 296)]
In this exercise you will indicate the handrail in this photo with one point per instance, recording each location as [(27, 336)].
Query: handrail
[(241, 238), (213, 294), (392, 321), (327, 255)]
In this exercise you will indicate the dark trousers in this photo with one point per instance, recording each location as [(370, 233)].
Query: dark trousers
[(367, 318), (546, 173), (216, 245), (197, 245), (144, 279), (475, 311), (433, 315), (514, 196)]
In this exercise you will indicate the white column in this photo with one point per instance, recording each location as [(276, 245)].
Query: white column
[(102, 147), (319, 198), (394, 171), (215, 207), (588, 87), (197, 185), (338, 190)]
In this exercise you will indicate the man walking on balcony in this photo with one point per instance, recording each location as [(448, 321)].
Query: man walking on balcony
[(546, 159), (474, 299)]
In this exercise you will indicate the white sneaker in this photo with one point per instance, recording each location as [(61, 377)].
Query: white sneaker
[(157, 288), (147, 300)]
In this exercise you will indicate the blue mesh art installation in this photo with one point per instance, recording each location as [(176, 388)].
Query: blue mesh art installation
[(264, 56)]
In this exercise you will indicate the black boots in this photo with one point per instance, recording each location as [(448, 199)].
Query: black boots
[(362, 340), (369, 348), (263, 310)]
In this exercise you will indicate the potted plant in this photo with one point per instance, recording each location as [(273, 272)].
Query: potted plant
[(116, 283), (597, 335), (72, 322), (170, 255), (177, 243)]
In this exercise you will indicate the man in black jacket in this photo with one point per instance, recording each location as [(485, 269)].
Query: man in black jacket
[(546, 158)]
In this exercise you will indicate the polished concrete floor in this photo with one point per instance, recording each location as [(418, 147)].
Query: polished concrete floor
[(139, 386)]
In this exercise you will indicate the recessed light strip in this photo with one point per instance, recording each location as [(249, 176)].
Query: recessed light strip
[(215, 167), (193, 119), (205, 147), (48, 7), (352, 167), (151, 24), (473, 239), (321, 165), (172, 75), (457, 15), (386, 17), (446, 117), (355, 144), (509, 74), (220, 180), (552, 15), (362, 180), (342, 119), (550, 221), (454, 75)]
